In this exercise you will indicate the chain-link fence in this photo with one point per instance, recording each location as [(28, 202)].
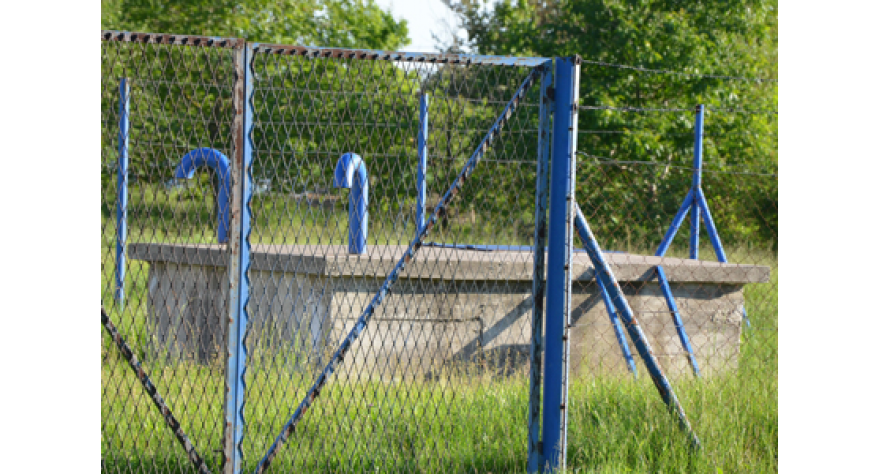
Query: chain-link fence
[(321, 260)]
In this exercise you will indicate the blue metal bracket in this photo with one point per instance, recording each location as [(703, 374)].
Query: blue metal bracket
[(636, 334), (122, 189), (695, 202), (679, 325), (351, 173)]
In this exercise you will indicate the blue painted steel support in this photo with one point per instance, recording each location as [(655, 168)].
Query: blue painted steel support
[(122, 189), (536, 348), (408, 256), (423, 162), (676, 223), (700, 199), (351, 173), (618, 329), (218, 162), (603, 272), (697, 181), (562, 179), (679, 324), (695, 201), (239, 260)]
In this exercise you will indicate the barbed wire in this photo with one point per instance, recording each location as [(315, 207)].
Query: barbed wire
[(603, 160), (678, 109), (679, 73)]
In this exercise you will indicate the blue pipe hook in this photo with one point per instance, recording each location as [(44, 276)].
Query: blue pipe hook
[(351, 173), (219, 163)]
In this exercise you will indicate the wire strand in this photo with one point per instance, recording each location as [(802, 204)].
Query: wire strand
[(679, 73)]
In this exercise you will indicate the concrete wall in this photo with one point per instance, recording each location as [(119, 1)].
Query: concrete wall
[(300, 308)]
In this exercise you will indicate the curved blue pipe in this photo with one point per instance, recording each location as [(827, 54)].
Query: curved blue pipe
[(219, 163), (351, 172)]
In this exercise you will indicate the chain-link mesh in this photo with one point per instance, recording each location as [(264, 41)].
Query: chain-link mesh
[(171, 305), (438, 380)]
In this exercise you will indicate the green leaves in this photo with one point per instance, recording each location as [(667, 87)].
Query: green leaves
[(339, 23), (668, 49)]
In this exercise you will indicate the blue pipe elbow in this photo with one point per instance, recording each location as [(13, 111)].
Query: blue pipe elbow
[(220, 164), (351, 173)]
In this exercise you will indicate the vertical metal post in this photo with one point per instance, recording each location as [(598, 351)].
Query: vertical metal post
[(423, 162), (535, 454), (122, 189), (239, 257), (562, 179), (698, 176)]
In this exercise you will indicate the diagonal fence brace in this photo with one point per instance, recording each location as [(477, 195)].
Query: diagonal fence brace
[(676, 317), (603, 273), (618, 329), (408, 256), (170, 420)]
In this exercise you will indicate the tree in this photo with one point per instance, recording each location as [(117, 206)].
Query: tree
[(339, 23), (697, 43)]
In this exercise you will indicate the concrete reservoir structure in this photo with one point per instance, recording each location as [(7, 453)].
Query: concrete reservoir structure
[(452, 309)]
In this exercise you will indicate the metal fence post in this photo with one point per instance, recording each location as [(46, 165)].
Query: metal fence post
[(535, 453), (562, 179), (239, 258), (122, 189), (423, 162), (698, 174)]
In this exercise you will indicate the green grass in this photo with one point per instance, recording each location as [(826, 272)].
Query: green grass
[(453, 424)]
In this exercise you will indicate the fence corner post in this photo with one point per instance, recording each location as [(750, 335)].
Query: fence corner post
[(558, 313)]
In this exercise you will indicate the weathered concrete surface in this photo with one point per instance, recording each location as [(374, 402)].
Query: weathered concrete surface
[(452, 310)]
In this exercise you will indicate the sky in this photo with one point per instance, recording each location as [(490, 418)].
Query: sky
[(423, 18)]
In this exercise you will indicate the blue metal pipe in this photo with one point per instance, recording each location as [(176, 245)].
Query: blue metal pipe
[(618, 329), (562, 179), (603, 272), (700, 200), (536, 346), (676, 223), (423, 162), (218, 162), (697, 179), (122, 189), (679, 324), (351, 173), (695, 232)]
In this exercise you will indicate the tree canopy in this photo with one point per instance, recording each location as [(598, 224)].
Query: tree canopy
[(339, 23), (647, 64)]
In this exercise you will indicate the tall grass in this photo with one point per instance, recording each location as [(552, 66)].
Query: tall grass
[(454, 423)]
